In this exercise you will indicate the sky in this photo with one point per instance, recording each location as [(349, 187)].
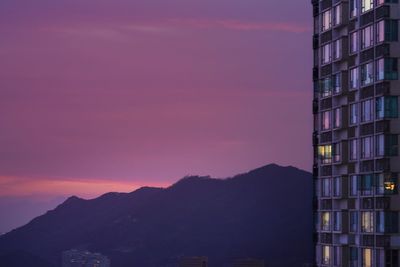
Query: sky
[(111, 95)]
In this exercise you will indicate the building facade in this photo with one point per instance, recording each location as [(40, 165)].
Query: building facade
[(356, 130)]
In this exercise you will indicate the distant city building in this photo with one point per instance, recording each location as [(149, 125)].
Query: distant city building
[(248, 263), (193, 262), (356, 132), (77, 258)]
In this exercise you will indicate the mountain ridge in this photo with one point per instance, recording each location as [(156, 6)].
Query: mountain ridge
[(198, 215)]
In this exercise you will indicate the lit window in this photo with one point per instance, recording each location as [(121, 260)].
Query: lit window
[(367, 257), (366, 5), (354, 78), (326, 255), (353, 42), (386, 184), (366, 147), (367, 110), (326, 53), (326, 221), (367, 37), (367, 74), (367, 221), (326, 20), (325, 153)]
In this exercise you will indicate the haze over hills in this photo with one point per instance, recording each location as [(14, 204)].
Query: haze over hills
[(265, 213)]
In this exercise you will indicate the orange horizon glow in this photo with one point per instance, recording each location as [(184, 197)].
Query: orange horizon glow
[(85, 188)]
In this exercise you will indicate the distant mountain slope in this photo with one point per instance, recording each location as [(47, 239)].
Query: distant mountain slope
[(265, 213)]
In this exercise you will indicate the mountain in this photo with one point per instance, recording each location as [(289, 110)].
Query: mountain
[(265, 213)]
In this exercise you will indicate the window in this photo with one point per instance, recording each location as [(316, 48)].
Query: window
[(380, 222), (326, 20), (353, 149), (366, 5), (337, 260), (392, 258), (366, 257), (380, 31), (326, 187), (354, 78), (353, 185), (337, 15), (366, 184), (353, 257), (326, 221), (386, 69), (386, 145), (353, 221), (386, 107), (353, 8), (325, 153), (367, 110), (326, 120), (380, 145), (337, 118), (367, 74), (366, 147), (337, 83), (387, 30), (337, 183), (337, 49), (353, 42), (326, 255), (336, 152), (386, 184), (367, 37), (367, 221), (337, 221), (326, 53), (326, 87), (353, 113)]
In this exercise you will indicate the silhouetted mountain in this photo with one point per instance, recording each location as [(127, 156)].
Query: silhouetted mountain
[(265, 213)]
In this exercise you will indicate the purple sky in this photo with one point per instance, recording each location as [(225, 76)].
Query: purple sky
[(100, 95)]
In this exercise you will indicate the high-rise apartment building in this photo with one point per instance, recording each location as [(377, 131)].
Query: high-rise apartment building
[(356, 131)]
